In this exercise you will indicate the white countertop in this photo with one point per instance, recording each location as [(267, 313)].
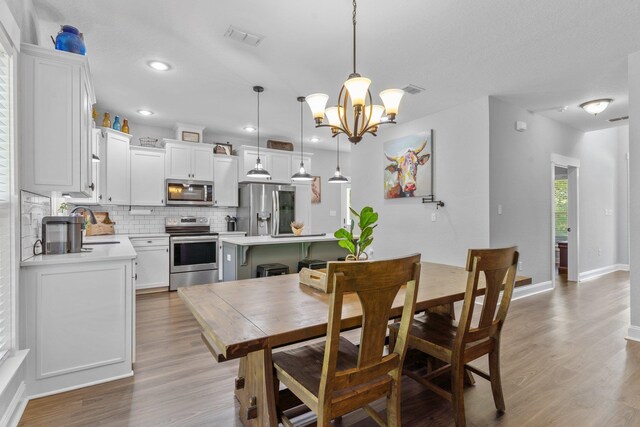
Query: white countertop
[(268, 240), (110, 252), (145, 235)]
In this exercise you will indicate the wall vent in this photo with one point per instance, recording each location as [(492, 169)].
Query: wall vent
[(618, 119), (413, 89), (242, 36)]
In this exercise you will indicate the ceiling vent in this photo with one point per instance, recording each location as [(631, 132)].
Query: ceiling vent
[(413, 89), (243, 36), (618, 119)]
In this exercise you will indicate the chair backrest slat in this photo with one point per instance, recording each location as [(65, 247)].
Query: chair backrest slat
[(376, 283)]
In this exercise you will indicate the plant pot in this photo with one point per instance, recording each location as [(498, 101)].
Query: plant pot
[(297, 231), (351, 257)]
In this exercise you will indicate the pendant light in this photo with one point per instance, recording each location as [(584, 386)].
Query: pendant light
[(258, 171), (302, 175), (337, 177)]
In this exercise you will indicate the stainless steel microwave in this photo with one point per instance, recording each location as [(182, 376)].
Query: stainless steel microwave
[(189, 193)]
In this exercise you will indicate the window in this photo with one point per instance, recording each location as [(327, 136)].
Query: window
[(562, 218), (7, 256)]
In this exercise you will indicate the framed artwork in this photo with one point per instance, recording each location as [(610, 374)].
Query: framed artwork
[(316, 191), (221, 148), (408, 166), (190, 136)]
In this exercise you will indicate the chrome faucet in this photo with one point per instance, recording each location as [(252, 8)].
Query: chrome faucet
[(92, 217)]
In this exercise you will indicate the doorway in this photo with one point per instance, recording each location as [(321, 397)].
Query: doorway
[(564, 219)]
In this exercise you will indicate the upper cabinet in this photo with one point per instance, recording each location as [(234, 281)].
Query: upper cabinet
[(189, 161), (57, 96), (147, 176), (95, 199), (277, 163), (225, 181), (116, 173)]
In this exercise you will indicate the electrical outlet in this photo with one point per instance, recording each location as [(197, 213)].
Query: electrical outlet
[(599, 252), (499, 209), (520, 265), (434, 217)]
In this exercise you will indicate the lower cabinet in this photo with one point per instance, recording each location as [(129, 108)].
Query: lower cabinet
[(78, 324), (152, 264)]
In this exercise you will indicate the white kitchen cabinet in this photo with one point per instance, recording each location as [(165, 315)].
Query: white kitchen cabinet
[(147, 176), (186, 160), (56, 98), (116, 172), (225, 180), (152, 263), (96, 138), (277, 163), (78, 324)]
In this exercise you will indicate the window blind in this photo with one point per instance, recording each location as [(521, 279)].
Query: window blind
[(6, 241)]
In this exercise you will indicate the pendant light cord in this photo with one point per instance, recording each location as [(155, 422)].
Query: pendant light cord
[(301, 135), (338, 149), (258, 125), (354, 36)]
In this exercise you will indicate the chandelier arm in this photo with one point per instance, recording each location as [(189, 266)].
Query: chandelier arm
[(365, 124), (340, 129), (378, 124)]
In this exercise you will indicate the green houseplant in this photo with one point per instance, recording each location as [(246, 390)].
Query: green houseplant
[(357, 244)]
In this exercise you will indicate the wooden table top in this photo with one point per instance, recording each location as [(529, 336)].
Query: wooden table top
[(242, 316)]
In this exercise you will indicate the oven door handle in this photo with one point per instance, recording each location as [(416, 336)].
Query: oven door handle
[(194, 239)]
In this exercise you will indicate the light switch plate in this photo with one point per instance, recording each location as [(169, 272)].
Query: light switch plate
[(332, 213), (434, 217)]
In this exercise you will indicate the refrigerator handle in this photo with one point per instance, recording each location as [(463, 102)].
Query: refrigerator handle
[(275, 221)]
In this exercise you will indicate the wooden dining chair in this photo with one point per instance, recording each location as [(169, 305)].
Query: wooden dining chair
[(336, 377), (456, 344)]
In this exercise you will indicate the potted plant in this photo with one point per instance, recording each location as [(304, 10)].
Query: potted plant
[(357, 244)]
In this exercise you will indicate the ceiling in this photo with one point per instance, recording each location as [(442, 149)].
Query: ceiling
[(540, 55)]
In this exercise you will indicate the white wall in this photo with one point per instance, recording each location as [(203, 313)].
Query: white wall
[(461, 180), (521, 183), (623, 195), (634, 192)]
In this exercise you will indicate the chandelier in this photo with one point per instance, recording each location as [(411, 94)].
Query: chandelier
[(363, 116)]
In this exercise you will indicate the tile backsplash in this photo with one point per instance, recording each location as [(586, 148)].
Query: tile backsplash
[(126, 223), (33, 208)]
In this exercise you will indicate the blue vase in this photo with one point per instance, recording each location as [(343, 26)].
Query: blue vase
[(69, 39), (116, 123)]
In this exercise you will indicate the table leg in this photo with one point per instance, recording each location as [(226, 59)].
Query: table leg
[(254, 390)]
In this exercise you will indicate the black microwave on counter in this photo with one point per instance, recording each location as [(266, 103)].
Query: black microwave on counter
[(181, 192)]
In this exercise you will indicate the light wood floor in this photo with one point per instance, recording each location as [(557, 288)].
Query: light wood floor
[(564, 358)]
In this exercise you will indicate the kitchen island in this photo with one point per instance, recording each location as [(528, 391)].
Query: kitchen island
[(78, 316), (242, 255)]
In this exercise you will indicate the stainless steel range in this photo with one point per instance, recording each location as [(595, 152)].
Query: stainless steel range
[(193, 254)]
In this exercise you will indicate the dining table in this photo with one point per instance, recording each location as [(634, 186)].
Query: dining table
[(248, 319)]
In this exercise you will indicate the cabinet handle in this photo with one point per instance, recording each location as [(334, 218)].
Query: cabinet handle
[(100, 197), (149, 241), (167, 250), (92, 187), (136, 276), (109, 198), (162, 201)]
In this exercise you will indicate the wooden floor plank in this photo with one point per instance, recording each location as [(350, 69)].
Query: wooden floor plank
[(564, 362)]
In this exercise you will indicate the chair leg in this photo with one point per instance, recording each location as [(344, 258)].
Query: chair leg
[(496, 381), (457, 393), (393, 404)]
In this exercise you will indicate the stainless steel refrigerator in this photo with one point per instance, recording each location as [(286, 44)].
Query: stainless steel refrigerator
[(266, 209)]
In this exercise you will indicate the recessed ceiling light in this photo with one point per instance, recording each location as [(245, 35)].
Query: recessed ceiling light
[(249, 128), (159, 65), (315, 139), (145, 112), (596, 106)]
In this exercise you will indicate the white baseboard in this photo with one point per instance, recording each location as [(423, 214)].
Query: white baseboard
[(533, 289), (12, 388), (633, 333), (525, 291), (599, 272)]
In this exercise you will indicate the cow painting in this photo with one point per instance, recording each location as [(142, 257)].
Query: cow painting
[(404, 174)]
